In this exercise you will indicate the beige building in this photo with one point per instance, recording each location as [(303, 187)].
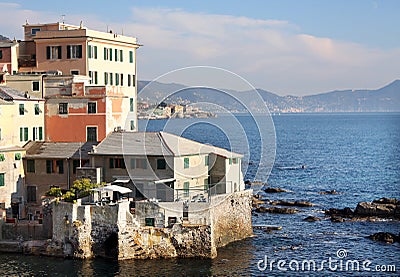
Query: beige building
[(167, 167), (22, 120)]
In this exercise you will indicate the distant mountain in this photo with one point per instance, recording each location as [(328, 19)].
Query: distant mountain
[(385, 99), (3, 38)]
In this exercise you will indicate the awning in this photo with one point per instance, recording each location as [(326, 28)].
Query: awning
[(164, 181), (124, 181), (122, 190)]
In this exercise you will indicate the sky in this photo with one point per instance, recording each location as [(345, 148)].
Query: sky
[(289, 47)]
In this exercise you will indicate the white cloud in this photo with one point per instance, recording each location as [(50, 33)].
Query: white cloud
[(271, 54)]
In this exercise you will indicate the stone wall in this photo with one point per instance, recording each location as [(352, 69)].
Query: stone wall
[(230, 216), (111, 231)]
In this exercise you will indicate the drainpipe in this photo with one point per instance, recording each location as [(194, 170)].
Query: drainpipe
[(68, 174)]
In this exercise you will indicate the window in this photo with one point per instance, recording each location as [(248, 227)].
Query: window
[(121, 54), (230, 160), (34, 31), (110, 54), (205, 184), (74, 51), (23, 134), (161, 164), (122, 79), (1, 54), (30, 166), (116, 55), (31, 193), (92, 52), (17, 156), (131, 56), (111, 78), (37, 110), (35, 86), (132, 125), (74, 72), (207, 160), (129, 80), (2, 179), (186, 189), (53, 52), (131, 106), (21, 109), (105, 78), (60, 166), (63, 108), (138, 163), (92, 107), (186, 163), (2, 158), (53, 166), (117, 163), (95, 78), (235, 160), (91, 133), (37, 133), (49, 166)]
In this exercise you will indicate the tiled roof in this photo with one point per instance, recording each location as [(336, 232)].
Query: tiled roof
[(154, 144), (58, 150), (9, 94)]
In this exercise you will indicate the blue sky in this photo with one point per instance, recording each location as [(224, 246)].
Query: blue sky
[(287, 47)]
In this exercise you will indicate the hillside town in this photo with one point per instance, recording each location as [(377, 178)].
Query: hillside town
[(69, 112)]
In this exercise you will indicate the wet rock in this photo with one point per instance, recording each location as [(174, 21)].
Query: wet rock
[(329, 192), (381, 208), (385, 237), (312, 218), (274, 190), (385, 200), (346, 212), (292, 203), (276, 210), (337, 219)]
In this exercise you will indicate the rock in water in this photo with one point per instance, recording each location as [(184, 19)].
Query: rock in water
[(385, 237), (275, 190), (312, 218)]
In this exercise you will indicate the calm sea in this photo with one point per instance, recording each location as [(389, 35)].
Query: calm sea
[(357, 155)]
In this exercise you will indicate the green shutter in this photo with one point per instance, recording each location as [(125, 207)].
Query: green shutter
[(95, 77), (2, 158), (186, 163), (121, 55), (105, 53), (131, 56), (21, 134), (1, 179), (131, 104), (17, 156), (26, 134), (40, 133), (90, 51), (95, 52)]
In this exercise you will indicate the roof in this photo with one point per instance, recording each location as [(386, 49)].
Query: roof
[(7, 43), (58, 150), (9, 94), (155, 144), (119, 189)]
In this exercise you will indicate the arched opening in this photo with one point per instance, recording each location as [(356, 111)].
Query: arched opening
[(111, 246)]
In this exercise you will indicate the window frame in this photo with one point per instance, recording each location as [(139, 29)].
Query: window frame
[(35, 86), (87, 133), (186, 186), (21, 109), (37, 109), (30, 166), (90, 106), (63, 108), (53, 52), (74, 51)]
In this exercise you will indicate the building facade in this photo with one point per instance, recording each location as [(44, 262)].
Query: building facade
[(22, 120)]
